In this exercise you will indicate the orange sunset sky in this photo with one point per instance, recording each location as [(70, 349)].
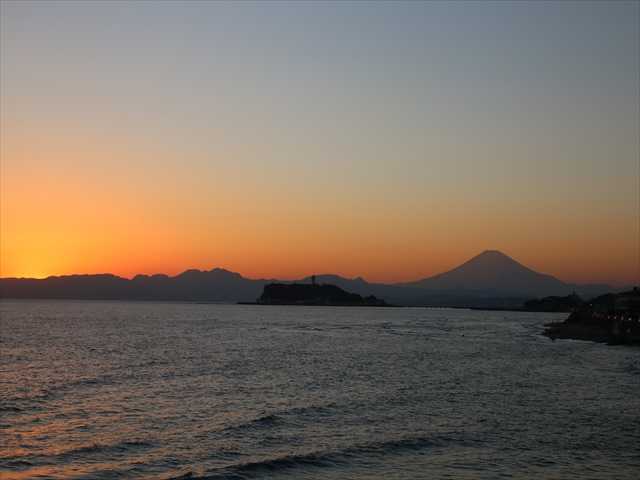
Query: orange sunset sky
[(357, 139)]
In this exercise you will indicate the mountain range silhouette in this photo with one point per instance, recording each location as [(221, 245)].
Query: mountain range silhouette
[(490, 279)]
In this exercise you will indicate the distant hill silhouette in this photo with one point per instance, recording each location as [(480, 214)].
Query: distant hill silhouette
[(217, 285), (554, 304), (491, 279)]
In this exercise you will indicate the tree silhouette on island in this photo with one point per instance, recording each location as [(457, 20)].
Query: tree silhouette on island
[(314, 294)]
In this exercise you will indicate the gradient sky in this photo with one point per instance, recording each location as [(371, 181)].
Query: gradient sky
[(388, 140)]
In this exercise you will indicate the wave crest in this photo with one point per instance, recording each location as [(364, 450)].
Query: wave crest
[(319, 459)]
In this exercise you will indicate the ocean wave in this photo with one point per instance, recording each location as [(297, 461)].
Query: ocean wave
[(120, 447), (264, 421), (318, 459), (44, 395), (33, 397), (73, 454), (8, 408), (16, 463), (313, 411), (631, 368), (277, 418)]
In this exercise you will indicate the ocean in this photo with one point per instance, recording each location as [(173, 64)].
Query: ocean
[(103, 390)]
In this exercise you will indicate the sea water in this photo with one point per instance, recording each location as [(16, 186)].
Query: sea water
[(162, 390)]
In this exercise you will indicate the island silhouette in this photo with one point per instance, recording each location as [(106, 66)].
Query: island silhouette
[(315, 294)]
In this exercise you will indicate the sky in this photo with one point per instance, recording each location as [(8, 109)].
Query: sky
[(389, 140)]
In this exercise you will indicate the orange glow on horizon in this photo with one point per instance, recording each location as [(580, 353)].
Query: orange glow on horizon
[(79, 213)]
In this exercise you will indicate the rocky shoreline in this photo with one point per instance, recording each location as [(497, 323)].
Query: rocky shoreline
[(613, 319)]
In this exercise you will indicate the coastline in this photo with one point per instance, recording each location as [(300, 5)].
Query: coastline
[(588, 325)]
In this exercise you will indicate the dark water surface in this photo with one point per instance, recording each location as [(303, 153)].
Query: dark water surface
[(153, 390)]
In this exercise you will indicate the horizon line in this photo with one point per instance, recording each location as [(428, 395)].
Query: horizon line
[(304, 276)]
